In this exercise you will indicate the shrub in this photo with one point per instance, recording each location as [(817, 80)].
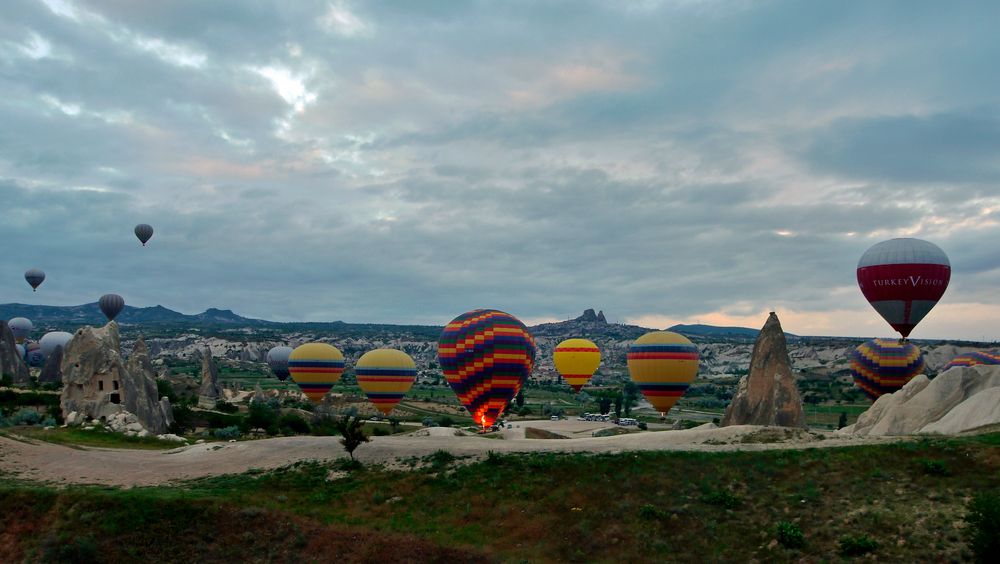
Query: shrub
[(262, 416), (642, 425), (650, 512), (294, 423), (722, 498), (48, 422), (381, 431), (428, 422), (445, 421), (983, 526), (935, 467), (227, 433), (225, 407), (857, 545), (165, 389), (25, 416), (789, 535), (441, 458)]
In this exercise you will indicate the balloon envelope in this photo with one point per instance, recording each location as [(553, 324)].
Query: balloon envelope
[(21, 327), (385, 375), (20, 351), (882, 366), (51, 340), (903, 279), (576, 360), (143, 232), (277, 359), (663, 364), (316, 367), (33, 354), (35, 277), (486, 356), (972, 359), (111, 305)]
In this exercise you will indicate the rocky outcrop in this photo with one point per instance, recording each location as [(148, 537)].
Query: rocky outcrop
[(958, 400), (768, 394), (52, 370), (210, 391), (601, 318), (98, 384), (11, 363)]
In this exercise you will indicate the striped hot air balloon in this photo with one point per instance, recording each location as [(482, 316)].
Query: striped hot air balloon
[(316, 367), (882, 366), (663, 364), (486, 356), (576, 360), (385, 375), (972, 359), (903, 279)]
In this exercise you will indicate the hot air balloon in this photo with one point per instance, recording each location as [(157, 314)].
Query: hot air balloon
[(486, 356), (144, 232), (385, 375), (316, 367), (21, 351), (576, 360), (972, 359), (111, 305), (882, 366), (903, 279), (21, 328), (277, 359), (662, 364), (35, 277), (33, 354), (53, 339)]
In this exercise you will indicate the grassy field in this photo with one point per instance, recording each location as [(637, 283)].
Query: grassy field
[(94, 438), (903, 502)]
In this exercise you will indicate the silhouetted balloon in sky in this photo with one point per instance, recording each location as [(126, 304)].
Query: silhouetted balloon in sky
[(903, 279), (111, 305), (34, 277), (143, 232)]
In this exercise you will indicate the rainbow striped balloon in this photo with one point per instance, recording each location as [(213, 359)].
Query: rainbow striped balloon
[(576, 360), (972, 359), (663, 364), (486, 356), (882, 366), (385, 375), (316, 367)]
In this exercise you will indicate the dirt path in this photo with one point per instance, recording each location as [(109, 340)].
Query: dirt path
[(49, 462)]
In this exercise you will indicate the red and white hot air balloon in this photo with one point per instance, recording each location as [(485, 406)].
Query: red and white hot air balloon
[(903, 279)]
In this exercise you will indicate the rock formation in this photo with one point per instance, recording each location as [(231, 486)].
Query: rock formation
[(11, 364), (210, 391), (97, 384), (958, 400), (601, 318), (768, 394), (52, 371)]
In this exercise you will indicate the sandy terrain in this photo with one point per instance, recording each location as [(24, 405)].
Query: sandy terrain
[(61, 464)]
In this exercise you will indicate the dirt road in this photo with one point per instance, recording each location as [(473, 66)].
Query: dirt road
[(49, 462)]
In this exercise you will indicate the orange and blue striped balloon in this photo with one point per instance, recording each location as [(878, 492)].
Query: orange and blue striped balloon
[(576, 360), (385, 375), (663, 364), (316, 367), (882, 366), (486, 356), (972, 359)]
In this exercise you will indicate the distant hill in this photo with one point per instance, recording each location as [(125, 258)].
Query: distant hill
[(700, 330), (91, 314)]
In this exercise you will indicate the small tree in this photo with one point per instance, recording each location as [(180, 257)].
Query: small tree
[(618, 406), (352, 433), (631, 397), (842, 422), (519, 399), (604, 404), (394, 423)]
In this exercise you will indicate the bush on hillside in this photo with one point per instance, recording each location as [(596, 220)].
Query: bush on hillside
[(983, 525), (227, 433), (857, 545), (294, 422), (789, 535)]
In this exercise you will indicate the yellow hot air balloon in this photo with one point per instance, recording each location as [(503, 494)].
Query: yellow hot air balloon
[(576, 360), (385, 375), (316, 367), (663, 364)]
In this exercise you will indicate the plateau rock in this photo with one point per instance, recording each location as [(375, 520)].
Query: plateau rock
[(767, 395)]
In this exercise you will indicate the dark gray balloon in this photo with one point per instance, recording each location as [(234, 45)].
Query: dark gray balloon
[(143, 232), (21, 327), (111, 305), (34, 277), (277, 359)]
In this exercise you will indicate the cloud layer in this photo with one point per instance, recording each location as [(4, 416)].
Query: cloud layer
[(405, 162)]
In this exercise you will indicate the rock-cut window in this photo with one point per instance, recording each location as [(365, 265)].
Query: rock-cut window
[(100, 385)]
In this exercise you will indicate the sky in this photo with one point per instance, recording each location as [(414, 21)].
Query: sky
[(403, 162)]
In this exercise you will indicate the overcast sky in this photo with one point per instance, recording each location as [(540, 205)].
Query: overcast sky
[(403, 162)]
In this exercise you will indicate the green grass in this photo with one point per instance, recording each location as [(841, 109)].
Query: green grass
[(557, 507), (76, 436)]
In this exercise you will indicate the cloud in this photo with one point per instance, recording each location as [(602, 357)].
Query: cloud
[(393, 162)]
